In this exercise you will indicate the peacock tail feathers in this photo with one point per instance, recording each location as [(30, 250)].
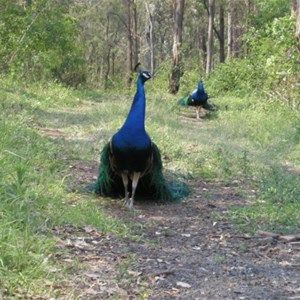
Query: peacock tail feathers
[(108, 183), (131, 164), (160, 186), (184, 101), (166, 190), (153, 184), (104, 181)]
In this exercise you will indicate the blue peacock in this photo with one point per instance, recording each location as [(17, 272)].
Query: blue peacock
[(197, 98), (131, 162)]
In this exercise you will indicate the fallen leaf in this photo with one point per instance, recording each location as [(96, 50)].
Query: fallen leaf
[(183, 284), (134, 273), (186, 235), (92, 275)]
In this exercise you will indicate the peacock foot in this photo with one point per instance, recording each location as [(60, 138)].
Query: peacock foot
[(129, 203)]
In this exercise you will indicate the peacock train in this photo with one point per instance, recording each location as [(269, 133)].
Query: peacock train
[(130, 163), (197, 98)]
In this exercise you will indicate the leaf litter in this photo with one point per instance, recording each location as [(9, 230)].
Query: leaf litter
[(182, 252)]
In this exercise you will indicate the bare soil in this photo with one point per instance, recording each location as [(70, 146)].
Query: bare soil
[(179, 251)]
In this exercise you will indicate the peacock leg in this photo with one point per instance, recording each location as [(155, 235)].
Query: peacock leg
[(125, 183), (198, 108), (135, 180)]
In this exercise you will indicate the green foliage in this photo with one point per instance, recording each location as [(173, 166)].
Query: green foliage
[(278, 187), (269, 68), (266, 216), (33, 192), (237, 76), (267, 11), (39, 42)]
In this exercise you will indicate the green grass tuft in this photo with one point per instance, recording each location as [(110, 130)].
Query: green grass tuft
[(46, 129)]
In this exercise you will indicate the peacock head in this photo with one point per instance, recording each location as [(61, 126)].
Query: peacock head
[(143, 75)]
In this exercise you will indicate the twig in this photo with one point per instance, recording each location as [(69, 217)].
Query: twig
[(288, 238), (163, 272)]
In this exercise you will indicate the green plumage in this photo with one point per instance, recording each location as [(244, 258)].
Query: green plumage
[(152, 185), (184, 101)]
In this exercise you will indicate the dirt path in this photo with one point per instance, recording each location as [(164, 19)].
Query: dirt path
[(181, 251)]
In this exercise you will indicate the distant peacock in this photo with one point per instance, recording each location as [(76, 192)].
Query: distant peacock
[(197, 98), (131, 162)]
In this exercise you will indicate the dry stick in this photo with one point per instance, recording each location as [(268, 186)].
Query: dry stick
[(159, 273), (266, 234)]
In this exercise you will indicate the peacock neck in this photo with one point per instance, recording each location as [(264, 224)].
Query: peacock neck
[(136, 115)]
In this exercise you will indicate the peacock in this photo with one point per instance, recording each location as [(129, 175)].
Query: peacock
[(130, 162), (197, 98)]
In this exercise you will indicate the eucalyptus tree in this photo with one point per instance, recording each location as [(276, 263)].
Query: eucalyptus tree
[(298, 24), (103, 35), (177, 68)]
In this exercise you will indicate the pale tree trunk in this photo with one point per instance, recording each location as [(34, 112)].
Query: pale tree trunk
[(149, 57), (249, 6), (210, 36), (107, 54), (221, 32), (294, 7), (229, 34), (177, 69), (298, 24), (135, 46), (127, 4)]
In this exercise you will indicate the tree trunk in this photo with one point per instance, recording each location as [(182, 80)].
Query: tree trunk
[(149, 57), (177, 69), (298, 24), (229, 34), (107, 54), (210, 36), (294, 8), (113, 60), (127, 4), (203, 49), (135, 46), (222, 34)]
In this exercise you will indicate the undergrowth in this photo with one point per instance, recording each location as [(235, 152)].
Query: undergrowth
[(34, 172), (248, 141)]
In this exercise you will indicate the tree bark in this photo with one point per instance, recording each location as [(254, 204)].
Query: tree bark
[(294, 7), (229, 34), (298, 25), (135, 46), (222, 34), (177, 69), (210, 36), (149, 39), (107, 54), (203, 49), (127, 4)]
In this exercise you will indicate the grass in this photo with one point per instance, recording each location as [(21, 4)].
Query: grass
[(247, 141), (33, 177)]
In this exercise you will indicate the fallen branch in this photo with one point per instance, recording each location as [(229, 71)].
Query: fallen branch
[(287, 238), (159, 273), (268, 233)]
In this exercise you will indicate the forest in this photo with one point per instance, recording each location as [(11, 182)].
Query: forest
[(67, 81), (88, 43)]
